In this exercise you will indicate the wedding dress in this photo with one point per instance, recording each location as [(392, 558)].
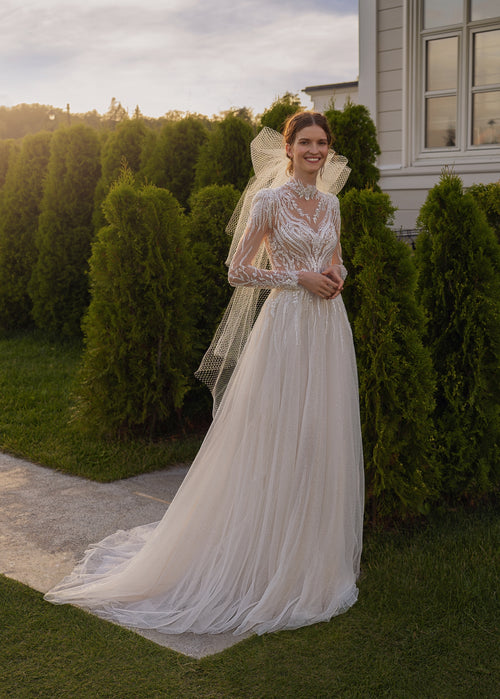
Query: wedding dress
[(265, 532)]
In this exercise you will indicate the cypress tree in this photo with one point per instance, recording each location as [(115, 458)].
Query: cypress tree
[(138, 328), (8, 150), (458, 261), (209, 243), (395, 371), (172, 163), (279, 111), (355, 137), (487, 197), (123, 145), (18, 225), (59, 284), (225, 157)]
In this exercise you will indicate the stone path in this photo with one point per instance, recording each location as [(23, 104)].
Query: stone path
[(47, 520)]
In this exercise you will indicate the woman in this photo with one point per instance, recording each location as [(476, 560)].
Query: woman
[(265, 531)]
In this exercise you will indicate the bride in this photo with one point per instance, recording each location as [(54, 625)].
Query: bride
[(265, 532)]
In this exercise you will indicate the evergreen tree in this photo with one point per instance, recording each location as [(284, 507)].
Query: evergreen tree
[(139, 323), (275, 116), (355, 137), (18, 225), (124, 144), (395, 371), (487, 197), (171, 163), (458, 260), (225, 157), (59, 284), (211, 210), (8, 150)]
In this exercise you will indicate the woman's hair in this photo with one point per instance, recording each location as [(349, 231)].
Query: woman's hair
[(300, 120)]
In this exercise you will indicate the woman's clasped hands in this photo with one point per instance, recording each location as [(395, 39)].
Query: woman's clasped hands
[(327, 284)]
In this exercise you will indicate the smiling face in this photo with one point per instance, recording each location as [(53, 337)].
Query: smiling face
[(308, 152)]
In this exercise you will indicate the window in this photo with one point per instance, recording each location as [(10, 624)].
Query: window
[(460, 48)]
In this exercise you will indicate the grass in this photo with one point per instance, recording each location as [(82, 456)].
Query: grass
[(426, 625), (36, 379)]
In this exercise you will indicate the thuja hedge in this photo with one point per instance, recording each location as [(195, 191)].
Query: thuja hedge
[(138, 328), (396, 378), (59, 284), (458, 260), (22, 197)]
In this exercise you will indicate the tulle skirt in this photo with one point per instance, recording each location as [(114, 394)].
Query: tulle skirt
[(265, 532)]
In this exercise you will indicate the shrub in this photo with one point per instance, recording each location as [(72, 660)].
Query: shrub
[(355, 137), (139, 323), (279, 111), (18, 225), (209, 243), (458, 261), (395, 371), (123, 145), (225, 157), (487, 197), (59, 284), (172, 161)]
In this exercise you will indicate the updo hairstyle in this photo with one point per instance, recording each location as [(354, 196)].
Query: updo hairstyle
[(300, 120)]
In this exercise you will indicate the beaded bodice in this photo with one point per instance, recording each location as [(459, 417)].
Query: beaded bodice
[(300, 228)]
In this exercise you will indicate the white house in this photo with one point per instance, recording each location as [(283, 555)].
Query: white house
[(429, 72), (323, 95)]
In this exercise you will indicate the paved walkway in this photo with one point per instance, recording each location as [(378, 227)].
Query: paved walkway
[(47, 520)]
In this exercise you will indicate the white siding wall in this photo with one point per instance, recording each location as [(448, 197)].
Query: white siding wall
[(390, 82)]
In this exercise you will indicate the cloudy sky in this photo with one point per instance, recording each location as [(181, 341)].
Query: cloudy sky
[(201, 56)]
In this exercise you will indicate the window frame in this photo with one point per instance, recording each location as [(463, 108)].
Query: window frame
[(465, 31)]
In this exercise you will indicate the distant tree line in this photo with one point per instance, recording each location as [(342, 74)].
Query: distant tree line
[(117, 232)]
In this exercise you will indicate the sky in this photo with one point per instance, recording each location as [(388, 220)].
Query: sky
[(202, 56)]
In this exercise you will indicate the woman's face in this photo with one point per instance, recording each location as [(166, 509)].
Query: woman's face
[(309, 151)]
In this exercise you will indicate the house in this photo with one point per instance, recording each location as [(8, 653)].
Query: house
[(322, 96), (429, 72)]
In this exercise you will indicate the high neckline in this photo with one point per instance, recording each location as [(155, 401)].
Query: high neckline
[(305, 191)]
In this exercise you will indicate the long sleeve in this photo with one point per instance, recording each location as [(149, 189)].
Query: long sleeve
[(242, 272)]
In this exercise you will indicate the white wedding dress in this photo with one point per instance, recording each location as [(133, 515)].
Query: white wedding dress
[(265, 532)]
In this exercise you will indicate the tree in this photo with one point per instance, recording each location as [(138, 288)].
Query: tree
[(8, 150), (275, 116), (458, 260), (395, 370), (139, 323), (18, 225), (487, 197), (116, 113), (172, 161), (123, 145), (209, 243), (59, 284), (355, 137), (225, 157)]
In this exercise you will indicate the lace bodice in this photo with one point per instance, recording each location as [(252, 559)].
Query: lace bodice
[(300, 227)]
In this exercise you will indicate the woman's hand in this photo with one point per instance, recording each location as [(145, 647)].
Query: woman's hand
[(333, 273), (320, 283)]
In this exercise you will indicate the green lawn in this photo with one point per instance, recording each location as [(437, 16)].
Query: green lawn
[(426, 625), (36, 378)]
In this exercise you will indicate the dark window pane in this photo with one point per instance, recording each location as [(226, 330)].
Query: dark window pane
[(486, 118), (487, 58), (484, 9), (440, 122), (439, 13), (442, 64)]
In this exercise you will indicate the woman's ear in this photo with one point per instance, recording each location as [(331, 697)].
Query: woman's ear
[(289, 151)]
